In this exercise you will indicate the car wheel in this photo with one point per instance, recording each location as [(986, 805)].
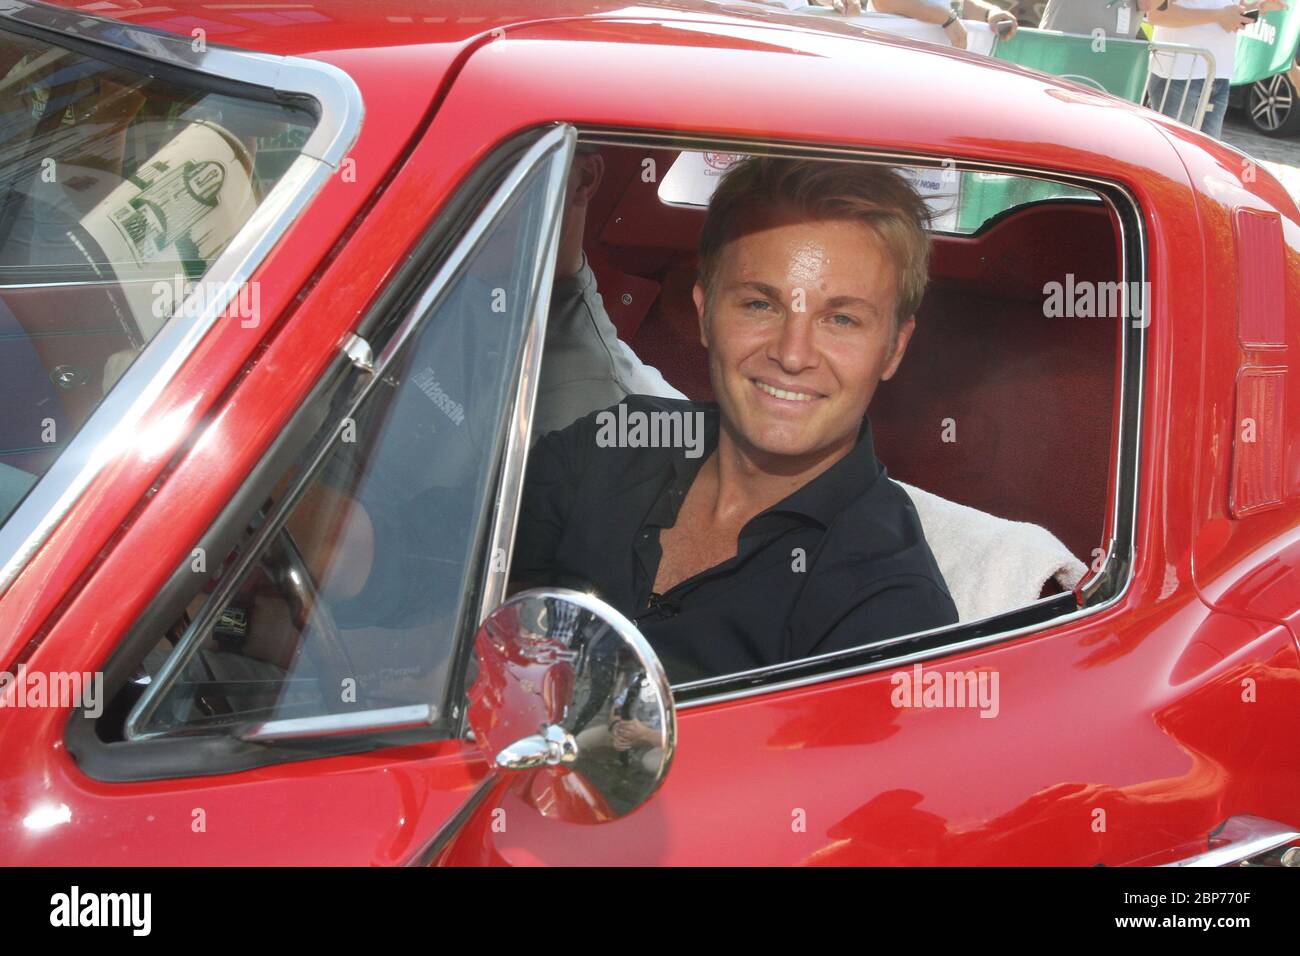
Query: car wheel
[(1273, 106)]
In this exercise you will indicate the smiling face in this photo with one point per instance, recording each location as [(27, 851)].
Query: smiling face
[(799, 324)]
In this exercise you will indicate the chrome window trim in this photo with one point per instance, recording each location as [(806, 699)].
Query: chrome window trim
[(1251, 837), (428, 854), (6, 286), (556, 143), (335, 725), (1127, 443), (514, 463), (114, 424)]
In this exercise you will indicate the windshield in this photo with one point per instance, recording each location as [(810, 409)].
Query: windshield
[(118, 190)]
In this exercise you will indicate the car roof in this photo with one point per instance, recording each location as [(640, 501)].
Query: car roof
[(418, 45), (420, 42), (321, 26)]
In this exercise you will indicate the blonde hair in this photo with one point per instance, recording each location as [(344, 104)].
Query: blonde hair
[(872, 195)]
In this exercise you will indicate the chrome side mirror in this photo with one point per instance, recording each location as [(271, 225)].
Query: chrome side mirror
[(569, 691)]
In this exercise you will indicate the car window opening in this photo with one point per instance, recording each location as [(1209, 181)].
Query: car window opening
[(999, 423)]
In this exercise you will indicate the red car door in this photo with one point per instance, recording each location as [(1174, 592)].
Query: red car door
[(1119, 734), (297, 701)]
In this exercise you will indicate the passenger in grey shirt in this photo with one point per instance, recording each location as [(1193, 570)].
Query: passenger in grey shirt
[(585, 365), (1119, 18)]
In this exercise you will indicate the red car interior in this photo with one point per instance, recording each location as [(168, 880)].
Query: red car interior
[(1030, 398)]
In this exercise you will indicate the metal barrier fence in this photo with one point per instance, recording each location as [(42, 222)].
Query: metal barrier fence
[(1114, 65), (1171, 57)]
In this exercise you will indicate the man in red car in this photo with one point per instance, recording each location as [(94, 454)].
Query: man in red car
[(759, 528)]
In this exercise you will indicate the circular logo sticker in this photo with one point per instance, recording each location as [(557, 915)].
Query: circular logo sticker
[(722, 160), (203, 180)]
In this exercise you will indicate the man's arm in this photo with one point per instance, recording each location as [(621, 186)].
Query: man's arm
[(1171, 14), (550, 489), (991, 14), (923, 10), (850, 8), (928, 12)]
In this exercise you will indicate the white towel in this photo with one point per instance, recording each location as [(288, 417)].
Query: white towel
[(991, 564)]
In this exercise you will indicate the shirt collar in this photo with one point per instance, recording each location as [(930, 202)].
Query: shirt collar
[(820, 499)]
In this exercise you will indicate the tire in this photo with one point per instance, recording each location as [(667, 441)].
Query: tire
[(1273, 106)]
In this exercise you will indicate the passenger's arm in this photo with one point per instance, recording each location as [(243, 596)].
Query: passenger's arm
[(646, 379)]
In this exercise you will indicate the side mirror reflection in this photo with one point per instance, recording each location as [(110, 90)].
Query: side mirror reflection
[(568, 688)]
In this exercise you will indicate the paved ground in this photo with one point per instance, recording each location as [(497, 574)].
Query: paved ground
[(1281, 156)]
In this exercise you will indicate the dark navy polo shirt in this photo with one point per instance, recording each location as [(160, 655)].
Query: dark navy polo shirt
[(839, 563)]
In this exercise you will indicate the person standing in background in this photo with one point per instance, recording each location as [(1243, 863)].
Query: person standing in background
[(1119, 18), (1177, 80), (939, 12)]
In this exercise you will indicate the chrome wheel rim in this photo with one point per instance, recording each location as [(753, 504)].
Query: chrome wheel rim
[(1271, 102)]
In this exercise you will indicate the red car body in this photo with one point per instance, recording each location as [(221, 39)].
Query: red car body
[(1135, 710)]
